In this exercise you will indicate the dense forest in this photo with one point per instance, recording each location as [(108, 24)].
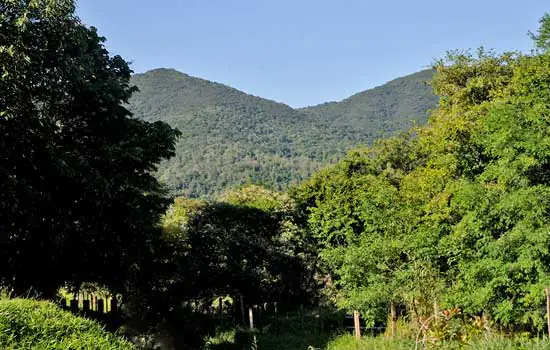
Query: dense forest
[(436, 236), (230, 138)]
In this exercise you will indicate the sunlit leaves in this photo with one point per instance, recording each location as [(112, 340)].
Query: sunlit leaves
[(463, 211)]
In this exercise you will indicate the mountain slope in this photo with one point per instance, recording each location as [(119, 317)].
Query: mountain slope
[(382, 110), (231, 138)]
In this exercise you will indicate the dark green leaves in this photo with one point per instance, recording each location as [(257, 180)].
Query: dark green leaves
[(78, 200)]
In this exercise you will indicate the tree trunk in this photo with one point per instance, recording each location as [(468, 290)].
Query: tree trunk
[(393, 315), (251, 317), (548, 309), (356, 325)]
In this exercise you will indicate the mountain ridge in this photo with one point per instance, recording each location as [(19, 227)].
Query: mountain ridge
[(230, 137)]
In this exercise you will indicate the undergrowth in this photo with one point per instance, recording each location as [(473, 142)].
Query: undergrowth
[(40, 325)]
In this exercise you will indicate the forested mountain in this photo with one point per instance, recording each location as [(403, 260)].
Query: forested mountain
[(382, 110), (231, 138)]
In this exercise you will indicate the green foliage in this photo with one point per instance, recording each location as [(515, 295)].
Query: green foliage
[(29, 324), (231, 138), (78, 199), (454, 213), (542, 38), (246, 243), (258, 197), (363, 224), (292, 235)]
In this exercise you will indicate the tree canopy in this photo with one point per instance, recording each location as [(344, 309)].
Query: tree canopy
[(78, 197), (245, 243), (454, 213)]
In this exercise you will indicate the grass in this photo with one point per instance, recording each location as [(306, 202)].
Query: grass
[(372, 343), (229, 340), (348, 342), (34, 325)]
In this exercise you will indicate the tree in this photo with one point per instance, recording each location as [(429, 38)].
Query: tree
[(542, 38), (499, 242), (246, 243), (458, 215), (78, 201), (363, 224)]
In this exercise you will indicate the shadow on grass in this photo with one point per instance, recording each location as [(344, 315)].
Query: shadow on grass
[(269, 338)]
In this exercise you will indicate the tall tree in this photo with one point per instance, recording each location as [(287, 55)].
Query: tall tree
[(78, 201)]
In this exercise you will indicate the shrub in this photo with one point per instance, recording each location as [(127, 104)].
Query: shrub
[(31, 324)]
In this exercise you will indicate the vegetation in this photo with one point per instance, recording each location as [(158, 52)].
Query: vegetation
[(231, 138), (437, 235), (451, 216), (78, 199), (30, 324), (296, 340), (347, 342), (246, 246), (235, 249)]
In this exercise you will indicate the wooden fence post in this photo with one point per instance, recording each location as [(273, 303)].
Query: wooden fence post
[(260, 317), (276, 317), (251, 317), (393, 315), (356, 324), (547, 290)]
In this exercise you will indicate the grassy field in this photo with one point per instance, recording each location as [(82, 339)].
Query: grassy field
[(380, 343), (229, 340)]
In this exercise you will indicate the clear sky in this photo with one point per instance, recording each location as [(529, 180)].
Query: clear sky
[(305, 52)]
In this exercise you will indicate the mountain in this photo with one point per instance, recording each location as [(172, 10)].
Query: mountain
[(383, 110), (231, 138)]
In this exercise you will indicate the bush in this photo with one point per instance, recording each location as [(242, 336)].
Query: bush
[(31, 324)]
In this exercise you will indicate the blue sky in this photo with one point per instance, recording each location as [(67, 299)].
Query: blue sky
[(305, 52)]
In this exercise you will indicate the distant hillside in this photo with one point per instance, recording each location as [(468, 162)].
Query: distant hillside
[(231, 138), (382, 110)]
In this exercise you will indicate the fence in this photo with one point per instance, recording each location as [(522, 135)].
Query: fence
[(277, 315), (105, 310)]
